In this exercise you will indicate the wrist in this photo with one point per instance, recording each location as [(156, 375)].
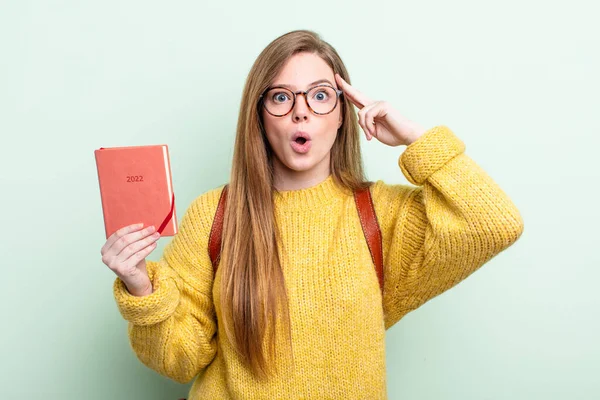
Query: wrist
[(416, 133), (140, 292)]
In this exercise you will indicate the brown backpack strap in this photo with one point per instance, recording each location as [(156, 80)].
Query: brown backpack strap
[(370, 226), (366, 214), (214, 243)]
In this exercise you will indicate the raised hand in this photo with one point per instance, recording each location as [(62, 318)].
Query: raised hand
[(379, 119)]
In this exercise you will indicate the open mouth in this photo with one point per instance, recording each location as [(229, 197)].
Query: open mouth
[(301, 145)]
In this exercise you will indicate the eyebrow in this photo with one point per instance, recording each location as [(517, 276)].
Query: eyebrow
[(310, 84)]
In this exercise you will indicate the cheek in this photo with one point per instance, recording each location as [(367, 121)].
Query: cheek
[(332, 124), (273, 128), (271, 123), (335, 119)]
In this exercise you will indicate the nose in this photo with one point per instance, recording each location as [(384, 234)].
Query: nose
[(301, 110)]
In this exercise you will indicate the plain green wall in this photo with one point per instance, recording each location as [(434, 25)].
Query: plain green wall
[(517, 81)]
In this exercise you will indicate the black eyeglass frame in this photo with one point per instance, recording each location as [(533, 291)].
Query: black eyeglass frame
[(338, 93)]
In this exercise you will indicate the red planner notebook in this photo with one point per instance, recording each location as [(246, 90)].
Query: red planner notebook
[(136, 186)]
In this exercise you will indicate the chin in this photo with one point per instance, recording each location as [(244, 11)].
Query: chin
[(300, 166)]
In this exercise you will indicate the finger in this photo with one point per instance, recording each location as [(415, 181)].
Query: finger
[(359, 103), (362, 121), (377, 110), (368, 119), (125, 268), (353, 94), (131, 253), (140, 255), (354, 101), (118, 234), (121, 242), (362, 124)]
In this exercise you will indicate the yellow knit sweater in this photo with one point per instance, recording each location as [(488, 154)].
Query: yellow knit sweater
[(435, 234)]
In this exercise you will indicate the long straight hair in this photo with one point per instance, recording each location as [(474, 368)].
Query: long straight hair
[(253, 291)]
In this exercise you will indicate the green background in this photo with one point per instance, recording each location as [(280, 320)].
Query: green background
[(517, 81)]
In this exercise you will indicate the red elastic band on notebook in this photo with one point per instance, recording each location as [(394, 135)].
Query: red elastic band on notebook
[(168, 218)]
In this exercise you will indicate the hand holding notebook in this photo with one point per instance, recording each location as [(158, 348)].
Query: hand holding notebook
[(130, 265)]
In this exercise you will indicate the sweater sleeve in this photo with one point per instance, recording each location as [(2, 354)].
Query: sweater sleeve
[(173, 330), (437, 233)]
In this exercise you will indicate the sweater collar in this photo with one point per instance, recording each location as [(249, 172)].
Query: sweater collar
[(322, 194)]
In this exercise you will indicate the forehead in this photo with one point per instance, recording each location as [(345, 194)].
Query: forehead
[(302, 69)]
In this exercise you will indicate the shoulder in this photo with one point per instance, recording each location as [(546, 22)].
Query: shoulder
[(203, 207), (395, 204), (209, 199), (387, 194)]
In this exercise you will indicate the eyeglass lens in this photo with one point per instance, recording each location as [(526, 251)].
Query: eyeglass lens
[(321, 99)]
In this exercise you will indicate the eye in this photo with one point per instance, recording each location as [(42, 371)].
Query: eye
[(321, 95), (280, 97)]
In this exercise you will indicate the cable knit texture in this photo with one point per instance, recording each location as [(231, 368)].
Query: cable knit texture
[(435, 234)]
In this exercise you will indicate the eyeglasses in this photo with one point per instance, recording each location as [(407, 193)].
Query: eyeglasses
[(321, 99)]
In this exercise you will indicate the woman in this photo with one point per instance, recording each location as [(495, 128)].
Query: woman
[(295, 309)]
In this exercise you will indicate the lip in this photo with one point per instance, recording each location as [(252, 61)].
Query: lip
[(301, 148), (301, 134)]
